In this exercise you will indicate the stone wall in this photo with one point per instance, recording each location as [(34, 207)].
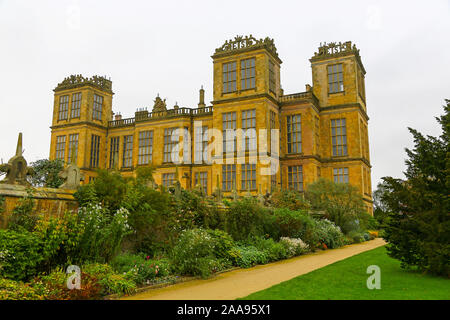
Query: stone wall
[(48, 202)]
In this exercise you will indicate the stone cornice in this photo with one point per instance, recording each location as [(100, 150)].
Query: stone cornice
[(324, 160), (245, 98), (347, 106), (87, 123)]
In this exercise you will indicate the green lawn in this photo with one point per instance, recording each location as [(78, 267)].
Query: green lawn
[(346, 280)]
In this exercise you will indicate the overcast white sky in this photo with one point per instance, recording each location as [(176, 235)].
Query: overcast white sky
[(150, 47)]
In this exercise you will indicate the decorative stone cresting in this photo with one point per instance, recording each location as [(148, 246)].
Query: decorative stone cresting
[(241, 42)]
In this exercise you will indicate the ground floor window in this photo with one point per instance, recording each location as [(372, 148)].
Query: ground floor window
[(295, 178)]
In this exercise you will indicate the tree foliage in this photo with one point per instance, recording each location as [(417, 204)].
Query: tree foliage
[(342, 203), (418, 229), (45, 173)]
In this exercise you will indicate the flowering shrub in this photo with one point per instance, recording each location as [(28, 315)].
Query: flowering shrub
[(146, 271), (194, 253), (294, 246), (329, 234), (103, 233)]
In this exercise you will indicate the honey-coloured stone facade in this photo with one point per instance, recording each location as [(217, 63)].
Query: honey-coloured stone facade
[(255, 85)]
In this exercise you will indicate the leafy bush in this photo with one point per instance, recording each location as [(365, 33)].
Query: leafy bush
[(222, 243), (341, 202), (123, 263), (155, 226), (117, 284), (248, 256), (289, 199), (357, 237), (108, 189), (246, 218), (22, 217), (60, 238), (13, 290), (194, 253), (292, 223), (110, 282), (20, 254), (273, 250)]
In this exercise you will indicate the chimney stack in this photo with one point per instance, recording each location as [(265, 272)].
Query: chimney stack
[(118, 117), (201, 103)]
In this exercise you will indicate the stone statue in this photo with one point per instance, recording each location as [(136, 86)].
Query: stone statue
[(71, 174), (17, 168), (160, 105)]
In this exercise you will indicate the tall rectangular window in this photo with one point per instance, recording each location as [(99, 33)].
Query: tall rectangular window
[(229, 125), (186, 145), (248, 176), (295, 178), (249, 125), (60, 147), (63, 107), (247, 73), (95, 151), (317, 133), (229, 77), (201, 178), (97, 108), (76, 105), (335, 78), (228, 177), (168, 179), (273, 181), (201, 144), (340, 175), (145, 147), (114, 152), (294, 134), (272, 81), (273, 118), (339, 137), (127, 160), (169, 145), (73, 147)]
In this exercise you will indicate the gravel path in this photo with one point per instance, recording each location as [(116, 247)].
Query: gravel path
[(242, 282)]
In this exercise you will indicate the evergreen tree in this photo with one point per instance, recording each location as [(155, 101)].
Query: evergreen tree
[(418, 229)]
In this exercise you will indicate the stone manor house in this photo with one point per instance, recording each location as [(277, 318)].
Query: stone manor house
[(321, 132)]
